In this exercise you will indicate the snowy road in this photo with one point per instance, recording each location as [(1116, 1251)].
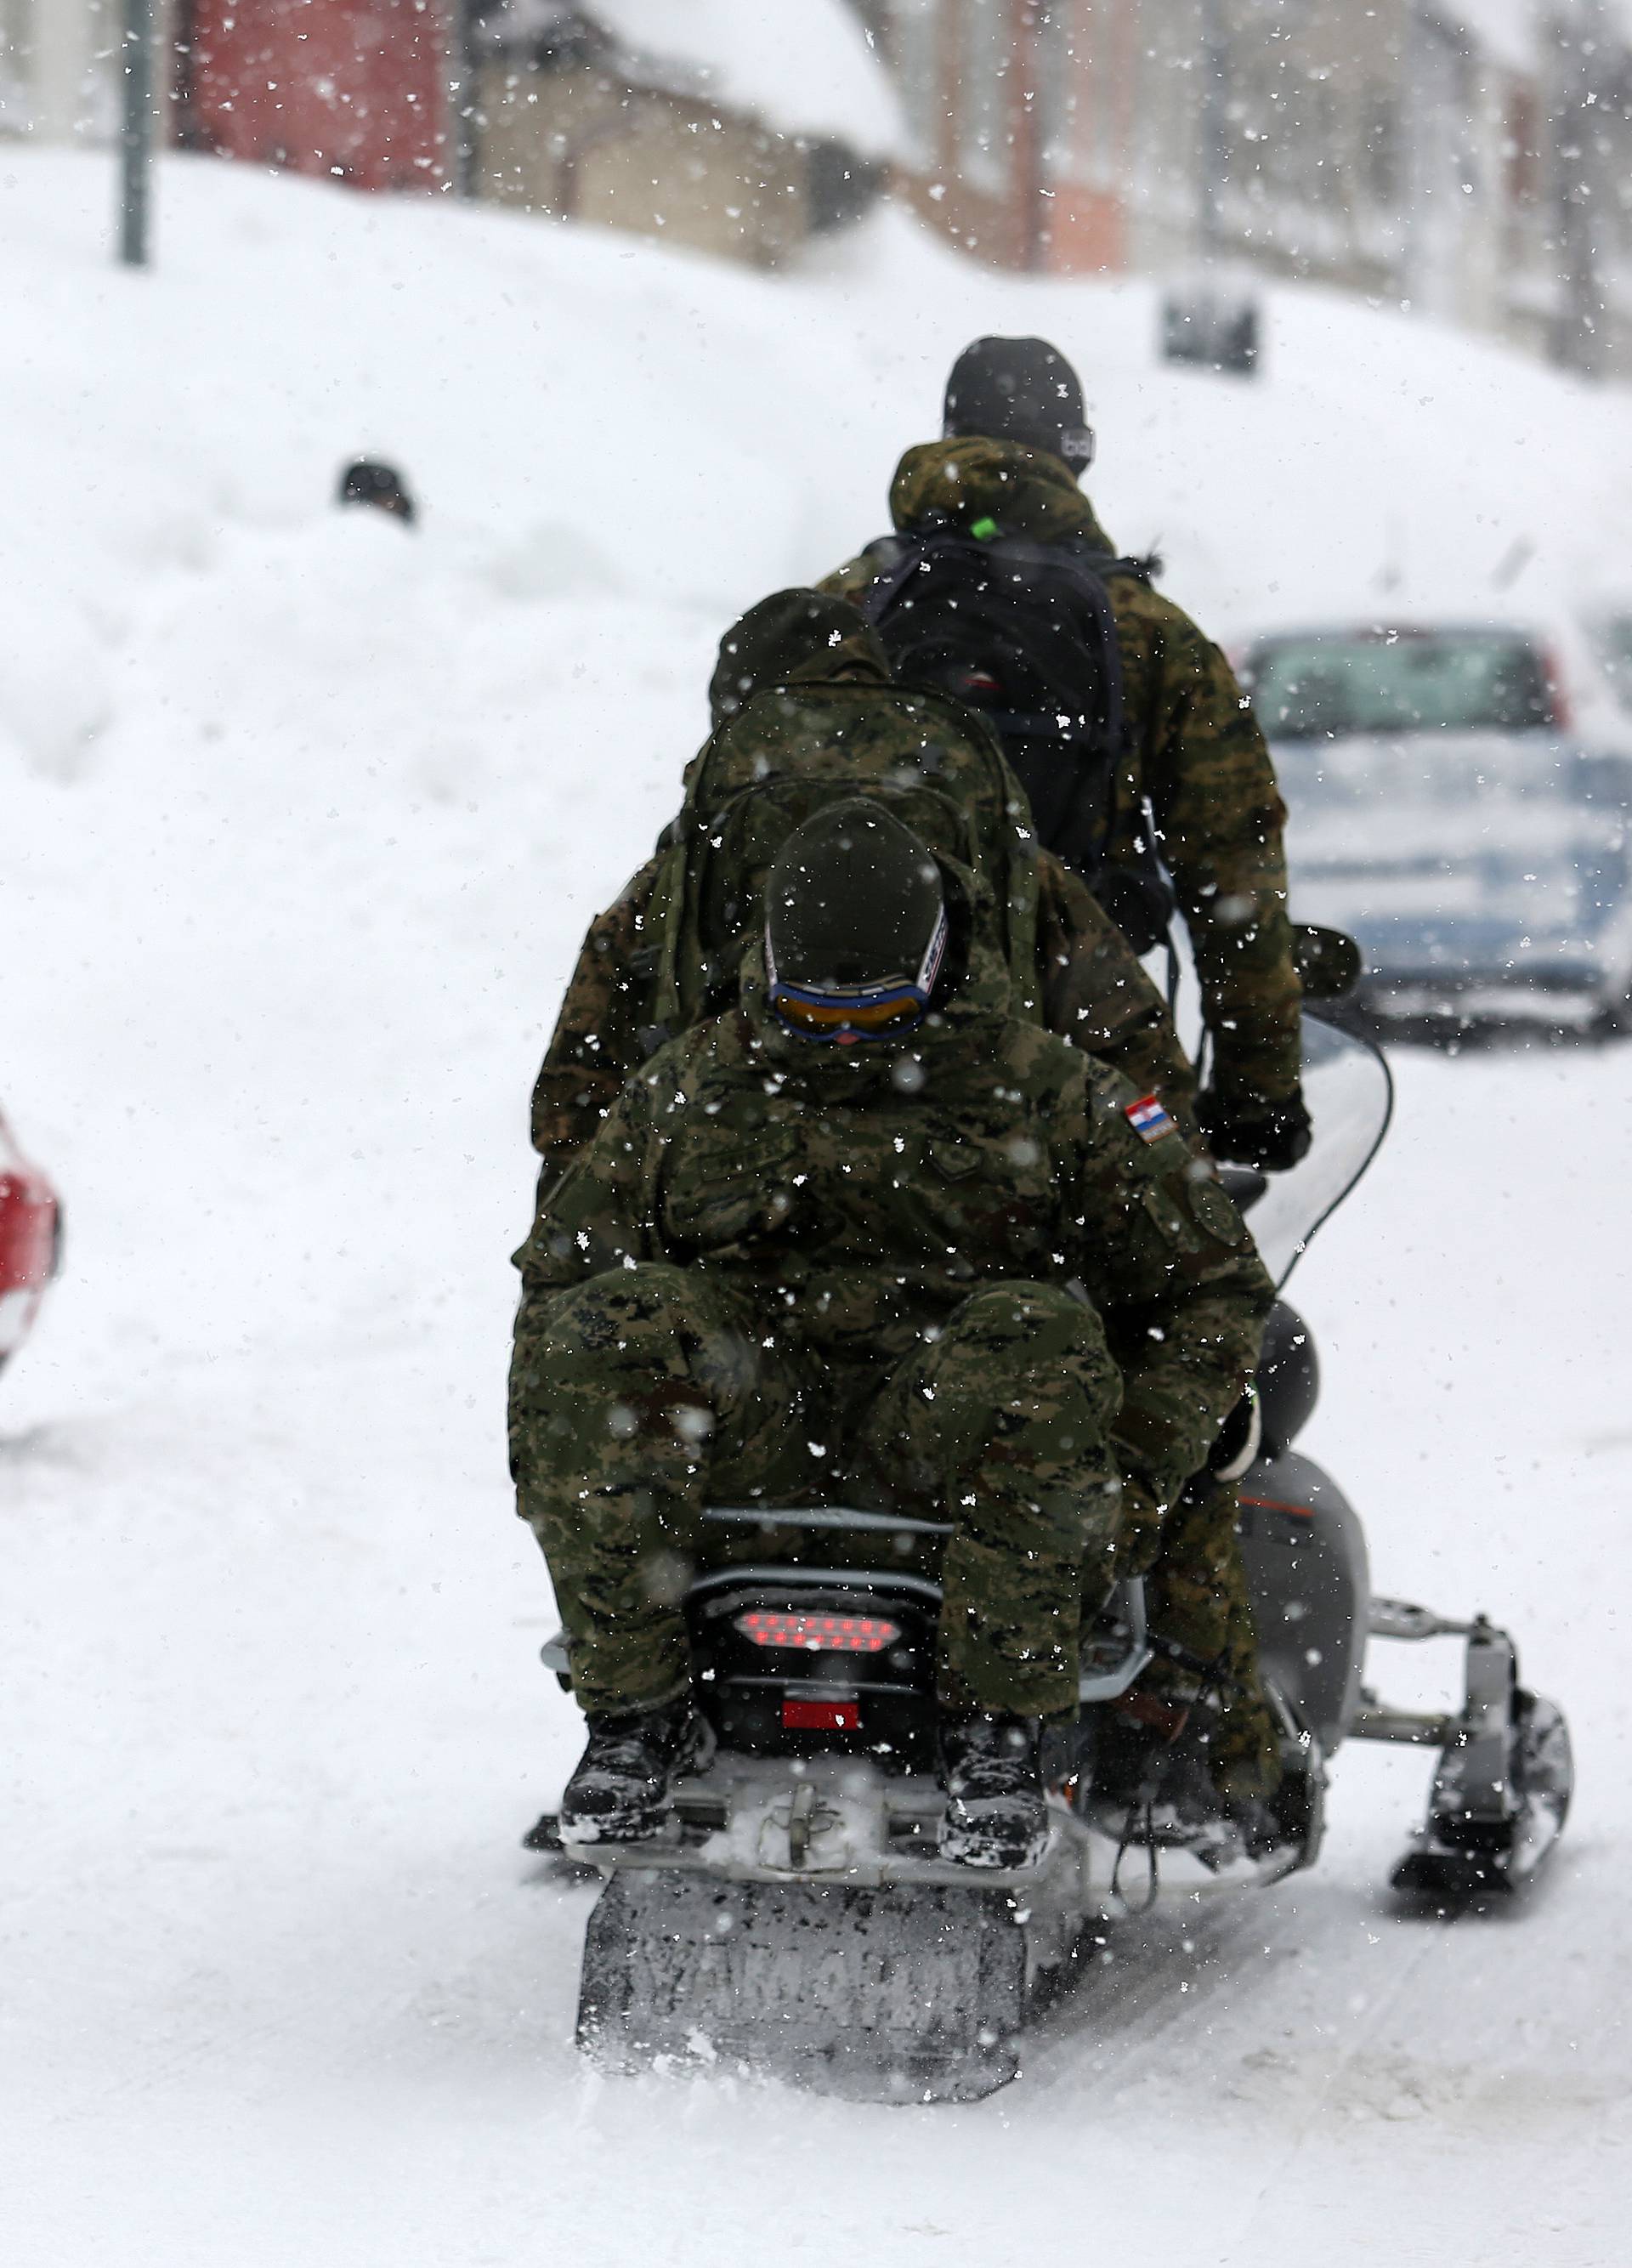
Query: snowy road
[(300, 829), (281, 1988)]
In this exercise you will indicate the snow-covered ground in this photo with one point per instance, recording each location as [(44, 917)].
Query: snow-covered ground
[(302, 817)]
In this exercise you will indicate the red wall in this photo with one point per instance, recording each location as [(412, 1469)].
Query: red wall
[(346, 87)]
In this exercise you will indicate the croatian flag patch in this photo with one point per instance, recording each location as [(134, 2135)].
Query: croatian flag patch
[(1150, 1122)]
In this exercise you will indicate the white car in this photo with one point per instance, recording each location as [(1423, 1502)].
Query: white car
[(1445, 811)]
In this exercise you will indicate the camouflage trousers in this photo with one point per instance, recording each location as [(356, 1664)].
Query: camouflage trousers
[(1196, 1595), (642, 1395)]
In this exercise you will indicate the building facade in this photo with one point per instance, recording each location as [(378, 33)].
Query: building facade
[(1472, 159), (570, 119)]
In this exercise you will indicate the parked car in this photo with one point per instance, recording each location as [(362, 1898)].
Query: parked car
[(1446, 812), (1608, 628), (31, 1242)]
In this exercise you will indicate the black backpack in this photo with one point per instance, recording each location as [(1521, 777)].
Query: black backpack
[(1025, 632)]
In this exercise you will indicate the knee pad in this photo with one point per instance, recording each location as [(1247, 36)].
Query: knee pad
[(1033, 1345), (1023, 1315), (1017, 1334)]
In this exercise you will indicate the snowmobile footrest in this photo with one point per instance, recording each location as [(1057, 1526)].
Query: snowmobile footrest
[(894, 1994)]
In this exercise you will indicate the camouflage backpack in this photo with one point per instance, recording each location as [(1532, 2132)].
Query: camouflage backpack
[(787, 752)]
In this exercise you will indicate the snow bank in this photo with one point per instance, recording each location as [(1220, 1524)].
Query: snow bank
[(588, 418)]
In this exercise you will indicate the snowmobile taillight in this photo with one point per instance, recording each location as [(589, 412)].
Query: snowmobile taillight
[(807, 1633), (822, 1716)]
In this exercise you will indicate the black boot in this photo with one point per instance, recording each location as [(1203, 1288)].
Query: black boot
[(1151, 1791), (618, 1792), (996, 1814)]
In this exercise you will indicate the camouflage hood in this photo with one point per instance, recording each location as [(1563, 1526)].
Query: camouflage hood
[(1027, 492), (793, 638)]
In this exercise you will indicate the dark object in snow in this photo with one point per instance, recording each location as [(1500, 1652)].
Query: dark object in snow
[(1019, 390), (368, 481), (1211, 330)]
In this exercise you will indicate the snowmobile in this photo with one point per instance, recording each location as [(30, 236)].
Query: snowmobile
[(795, 1915)]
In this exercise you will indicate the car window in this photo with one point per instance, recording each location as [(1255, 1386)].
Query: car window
[(1316, 687)]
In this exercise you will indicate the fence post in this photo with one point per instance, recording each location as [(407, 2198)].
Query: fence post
[(135, 132)]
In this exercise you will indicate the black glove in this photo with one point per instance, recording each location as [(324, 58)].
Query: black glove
[(1273, 1136)]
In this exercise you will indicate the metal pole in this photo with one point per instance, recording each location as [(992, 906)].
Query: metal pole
[(1580, 46), (1215, 129), (460, 161), (135, 133)]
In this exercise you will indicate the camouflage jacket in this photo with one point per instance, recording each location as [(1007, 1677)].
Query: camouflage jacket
[(1196, 753), (1094, 993), (864, 1194)]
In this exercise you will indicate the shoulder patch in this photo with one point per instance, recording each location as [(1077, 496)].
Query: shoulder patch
[(1150, 1122)]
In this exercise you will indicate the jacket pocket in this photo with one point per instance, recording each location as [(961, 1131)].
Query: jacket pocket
[(731, 1187)]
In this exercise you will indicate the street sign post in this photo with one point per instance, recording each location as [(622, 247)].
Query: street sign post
[(135, 133)]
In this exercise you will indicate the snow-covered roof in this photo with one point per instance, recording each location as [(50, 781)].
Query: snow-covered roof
[(805, 70), (1513, 31), (1507, 30)]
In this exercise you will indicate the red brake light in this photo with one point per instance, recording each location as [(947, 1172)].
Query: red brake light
[(820, 1717), (818, 1633)]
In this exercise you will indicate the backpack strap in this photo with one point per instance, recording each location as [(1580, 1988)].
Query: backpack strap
[(900, 557)]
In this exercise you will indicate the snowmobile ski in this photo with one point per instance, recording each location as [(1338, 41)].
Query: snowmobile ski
[(1468, 1853)]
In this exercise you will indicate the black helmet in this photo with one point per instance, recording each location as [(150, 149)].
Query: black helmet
[(366, 481), (791, 638), (855, 925), (1019, 390)]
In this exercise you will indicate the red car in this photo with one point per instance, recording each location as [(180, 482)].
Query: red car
[(31, 1235)]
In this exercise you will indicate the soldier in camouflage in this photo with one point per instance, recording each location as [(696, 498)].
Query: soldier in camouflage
[(1014, 447), (868, 1231), (1092, 989), (781, 663)]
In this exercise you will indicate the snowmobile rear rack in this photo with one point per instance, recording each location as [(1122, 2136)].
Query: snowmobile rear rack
[(1114, 1652)]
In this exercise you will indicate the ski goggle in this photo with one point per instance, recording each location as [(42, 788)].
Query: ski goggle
[(845, 1013)]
